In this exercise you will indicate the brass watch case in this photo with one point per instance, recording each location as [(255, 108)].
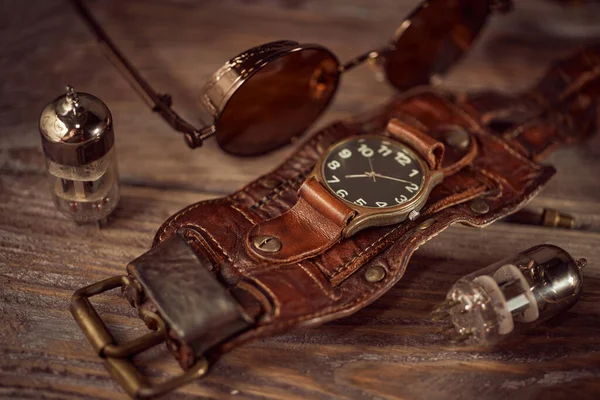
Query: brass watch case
[(366, 217)]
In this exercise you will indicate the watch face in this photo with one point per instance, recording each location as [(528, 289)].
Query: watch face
[(373, 171)]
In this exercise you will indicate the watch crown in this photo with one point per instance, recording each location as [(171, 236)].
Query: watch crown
[(414, 214)]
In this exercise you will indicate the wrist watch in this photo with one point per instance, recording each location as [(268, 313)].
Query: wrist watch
[(333, 228), (359, 182), (393, 192)]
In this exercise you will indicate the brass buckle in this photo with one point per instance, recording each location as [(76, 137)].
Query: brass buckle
[(117, 357)]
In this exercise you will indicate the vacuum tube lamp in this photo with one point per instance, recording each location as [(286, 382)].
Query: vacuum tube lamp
[(78, 142), (509, 296)]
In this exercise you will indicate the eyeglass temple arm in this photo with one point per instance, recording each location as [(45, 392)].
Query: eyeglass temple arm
[(160, 103)]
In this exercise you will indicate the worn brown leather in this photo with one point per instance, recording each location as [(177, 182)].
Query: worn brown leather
[(430, 149), (314, 224), (318, 217), (190, 277), (311, 288), (561, 109)]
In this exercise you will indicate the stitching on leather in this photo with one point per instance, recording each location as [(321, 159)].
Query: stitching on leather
[(270, 292), (281, 189), (314, 278), (455, 199), (193, 226), (196, 237), (179, 214), (494, 178), (242, 212), (326, 311), (285, 185), (582, 80), (249, 186), (282, 186), (518, 131), (481, 130), (257, 294), (344, 266)]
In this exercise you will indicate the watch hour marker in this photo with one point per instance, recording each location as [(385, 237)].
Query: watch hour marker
[(371, 172), (401, 199), (365, 150), (384, 150), (334, 179), (412, 187), (345, 153), (402, 158), (342, 193), (334, 165)]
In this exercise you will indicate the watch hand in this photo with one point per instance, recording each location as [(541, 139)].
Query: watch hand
[(372, 170), (365, 175), (391, 177)]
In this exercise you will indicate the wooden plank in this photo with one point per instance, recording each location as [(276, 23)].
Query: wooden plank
[(387, 350)]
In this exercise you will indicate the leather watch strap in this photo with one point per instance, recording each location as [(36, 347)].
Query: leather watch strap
[(320, 218), (489, 167), (561, 109)]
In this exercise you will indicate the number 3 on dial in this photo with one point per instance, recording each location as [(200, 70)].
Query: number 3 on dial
[(401, 199)]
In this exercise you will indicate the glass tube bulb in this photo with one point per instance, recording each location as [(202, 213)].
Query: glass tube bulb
[(522, 291)]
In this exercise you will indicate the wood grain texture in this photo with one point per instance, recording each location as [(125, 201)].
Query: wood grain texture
[(388, 350)]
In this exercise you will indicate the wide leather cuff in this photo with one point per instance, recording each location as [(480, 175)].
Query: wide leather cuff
[(490, 174)]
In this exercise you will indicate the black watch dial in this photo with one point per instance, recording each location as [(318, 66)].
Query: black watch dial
[(373, 171)]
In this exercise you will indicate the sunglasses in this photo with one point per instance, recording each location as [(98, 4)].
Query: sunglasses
[(266, 96)]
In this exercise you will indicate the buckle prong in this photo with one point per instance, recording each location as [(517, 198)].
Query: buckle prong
[(118, 357)]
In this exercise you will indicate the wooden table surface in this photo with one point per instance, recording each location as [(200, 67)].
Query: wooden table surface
[(388, 350)]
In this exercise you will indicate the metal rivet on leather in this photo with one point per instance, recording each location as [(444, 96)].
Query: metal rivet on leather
[(374, 273), (426, 224), (268, 244), (458, 137), (479, 206)]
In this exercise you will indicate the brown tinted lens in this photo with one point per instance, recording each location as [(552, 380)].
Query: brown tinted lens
[(278, 102), (440, 32)]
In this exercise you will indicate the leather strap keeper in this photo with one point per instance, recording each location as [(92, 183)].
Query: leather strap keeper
[(430, 149), (195, 306), (317, 217)]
